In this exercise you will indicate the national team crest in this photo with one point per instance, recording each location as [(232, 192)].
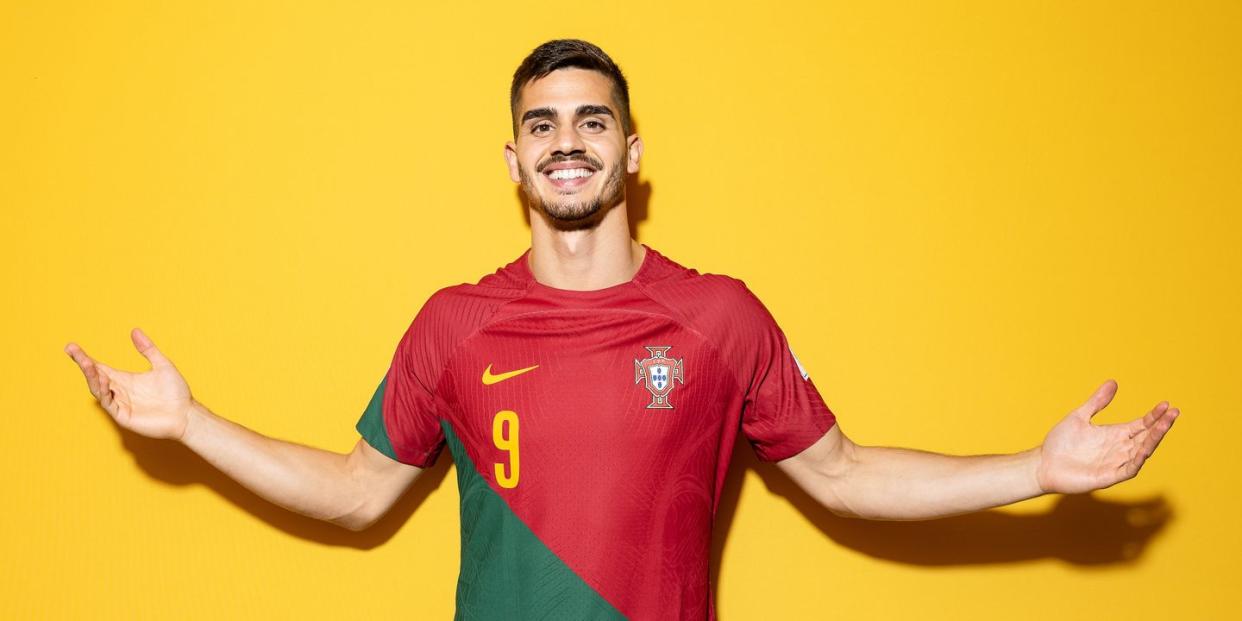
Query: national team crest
[(660, 371)]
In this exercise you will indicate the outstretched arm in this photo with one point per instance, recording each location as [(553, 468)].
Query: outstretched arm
[(884, 483), (351, 490)]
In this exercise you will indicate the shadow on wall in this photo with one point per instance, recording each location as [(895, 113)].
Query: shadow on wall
[(174, 464), (1080, 529)]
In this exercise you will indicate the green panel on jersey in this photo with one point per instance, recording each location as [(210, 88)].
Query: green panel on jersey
[(506, 571), (371, 425)]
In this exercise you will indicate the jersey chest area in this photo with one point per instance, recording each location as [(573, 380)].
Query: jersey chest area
[(606, 396)]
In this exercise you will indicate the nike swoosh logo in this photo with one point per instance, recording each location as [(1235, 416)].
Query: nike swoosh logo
[(489, 379)]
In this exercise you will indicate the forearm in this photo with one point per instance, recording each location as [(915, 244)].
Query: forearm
[(884, 483), (310, 481)]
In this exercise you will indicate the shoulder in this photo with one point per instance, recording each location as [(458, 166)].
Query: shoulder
[(726, 313), (710, 302), (730, 311), (448, 317), (458, 310), (469, 304), (452, 313)]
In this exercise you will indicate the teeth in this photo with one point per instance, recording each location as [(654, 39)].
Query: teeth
[(570, 173)]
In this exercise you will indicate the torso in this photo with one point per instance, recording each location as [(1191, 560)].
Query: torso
[(589, 479)]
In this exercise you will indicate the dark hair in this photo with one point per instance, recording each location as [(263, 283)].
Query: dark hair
[(562, 53)]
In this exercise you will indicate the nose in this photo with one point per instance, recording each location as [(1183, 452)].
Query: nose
[(568, 141)]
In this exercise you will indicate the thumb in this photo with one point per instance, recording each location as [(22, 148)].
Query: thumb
[(147, 348), (1098, 400)]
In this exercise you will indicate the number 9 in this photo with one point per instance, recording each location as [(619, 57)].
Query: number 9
[(506, 442)]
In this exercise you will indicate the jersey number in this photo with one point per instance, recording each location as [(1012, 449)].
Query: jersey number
[(506, 442)]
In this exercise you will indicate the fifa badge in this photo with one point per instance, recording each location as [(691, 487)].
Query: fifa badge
[(659, 371)]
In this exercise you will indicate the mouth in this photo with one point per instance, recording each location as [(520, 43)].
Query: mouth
[(569, 176)]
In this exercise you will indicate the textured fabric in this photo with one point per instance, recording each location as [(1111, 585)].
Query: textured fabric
[(604, 420), (371, 425), (506, 571)]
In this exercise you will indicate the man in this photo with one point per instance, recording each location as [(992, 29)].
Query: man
[(590, 393)]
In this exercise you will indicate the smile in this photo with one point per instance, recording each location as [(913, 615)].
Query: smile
[(570, 173), (569, 177)]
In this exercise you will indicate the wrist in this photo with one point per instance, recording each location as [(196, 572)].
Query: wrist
[(193, 419), (1035, 462)]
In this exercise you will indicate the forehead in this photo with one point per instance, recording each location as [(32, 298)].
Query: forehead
[(566, 89)]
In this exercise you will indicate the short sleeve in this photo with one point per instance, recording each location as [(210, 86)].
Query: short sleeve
[(783, 412), (401, 420)]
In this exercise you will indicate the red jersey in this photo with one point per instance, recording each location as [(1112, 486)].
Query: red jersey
[(591, 431)]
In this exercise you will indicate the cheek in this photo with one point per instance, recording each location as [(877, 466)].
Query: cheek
[(528, 165), (606, 147)]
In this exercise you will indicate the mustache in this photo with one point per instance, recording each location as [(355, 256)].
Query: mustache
[(557, 159)]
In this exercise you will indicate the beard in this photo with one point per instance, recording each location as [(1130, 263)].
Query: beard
[(568, 213)]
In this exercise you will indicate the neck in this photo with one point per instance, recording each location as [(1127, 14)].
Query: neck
[(586, 259)]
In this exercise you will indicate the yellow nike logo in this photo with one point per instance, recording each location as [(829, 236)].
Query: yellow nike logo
[(489, 379)]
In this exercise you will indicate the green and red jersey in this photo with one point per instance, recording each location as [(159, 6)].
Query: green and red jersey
[(591, 431)]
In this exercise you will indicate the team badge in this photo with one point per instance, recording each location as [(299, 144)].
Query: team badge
[(660, 372)]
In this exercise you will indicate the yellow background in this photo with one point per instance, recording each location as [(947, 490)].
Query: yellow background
[(965, 216)]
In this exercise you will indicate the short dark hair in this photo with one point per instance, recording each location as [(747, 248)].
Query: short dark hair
[(563, 53)]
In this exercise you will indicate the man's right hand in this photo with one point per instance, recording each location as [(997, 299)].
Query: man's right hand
[(352, 490), (155, 403)]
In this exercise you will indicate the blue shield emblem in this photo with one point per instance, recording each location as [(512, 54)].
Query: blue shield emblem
[(659, 372), (659, 376)]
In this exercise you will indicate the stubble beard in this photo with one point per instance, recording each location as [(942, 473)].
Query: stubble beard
[(572, 214)]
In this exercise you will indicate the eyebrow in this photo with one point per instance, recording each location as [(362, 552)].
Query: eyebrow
[(588, 110), (583, 110)]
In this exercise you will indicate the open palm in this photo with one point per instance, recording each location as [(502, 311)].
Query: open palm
[(153, 403), (1079, 456)]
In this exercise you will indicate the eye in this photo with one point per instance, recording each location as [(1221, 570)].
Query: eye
[(594, 124), (541, 127)]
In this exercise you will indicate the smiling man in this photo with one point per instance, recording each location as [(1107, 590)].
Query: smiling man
[(590, 393)]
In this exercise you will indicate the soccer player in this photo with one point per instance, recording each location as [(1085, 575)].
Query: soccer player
[(590, 393)]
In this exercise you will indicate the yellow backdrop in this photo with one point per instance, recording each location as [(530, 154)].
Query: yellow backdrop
[(966, 216)]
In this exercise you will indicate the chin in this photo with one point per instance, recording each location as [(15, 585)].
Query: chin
[(580, 209), (573, 217)]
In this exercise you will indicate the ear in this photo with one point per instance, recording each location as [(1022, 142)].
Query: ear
[(511, 160), (634, 147)]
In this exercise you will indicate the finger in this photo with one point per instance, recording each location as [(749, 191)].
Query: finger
[(87, 364), (1139, 425), (105, 393), (115, 377), (1129, 469), (1157, 433), (147, 348), (1098, 400)]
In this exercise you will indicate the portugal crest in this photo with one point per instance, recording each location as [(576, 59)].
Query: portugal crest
[(659, 371)]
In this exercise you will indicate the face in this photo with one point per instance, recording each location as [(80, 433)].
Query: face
[(571, 154)]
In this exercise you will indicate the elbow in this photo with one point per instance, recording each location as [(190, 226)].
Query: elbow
[(356, 527), (359, 510), (355, 521), (839, 507), (361, 515), (842, 511)]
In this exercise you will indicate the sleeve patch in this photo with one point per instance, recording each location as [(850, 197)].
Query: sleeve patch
[(801, 369)]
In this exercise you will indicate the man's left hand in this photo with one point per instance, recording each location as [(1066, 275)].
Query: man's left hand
[(1079, 456)]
